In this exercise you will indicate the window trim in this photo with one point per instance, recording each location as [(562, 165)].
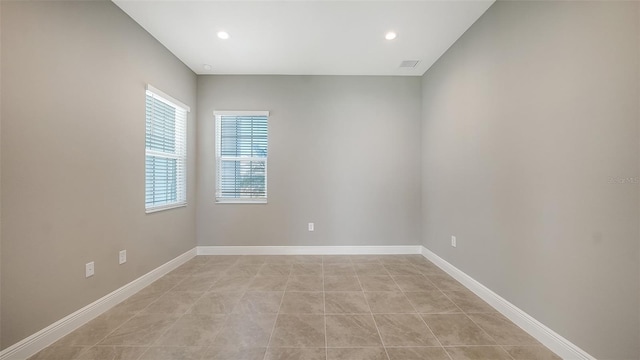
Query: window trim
[(165, 207), (171, 101), (168, 98), (218, 200)]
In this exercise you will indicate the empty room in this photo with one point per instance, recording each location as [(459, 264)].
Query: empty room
[(319, 180)]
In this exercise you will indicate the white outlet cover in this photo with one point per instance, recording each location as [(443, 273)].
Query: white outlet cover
[(89, 269), (122, 257), (311, 226), (454, 241)]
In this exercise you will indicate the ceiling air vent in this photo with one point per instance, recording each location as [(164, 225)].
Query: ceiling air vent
[(409, 63)]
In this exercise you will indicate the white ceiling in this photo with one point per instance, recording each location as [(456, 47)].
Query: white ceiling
[(306, 37)]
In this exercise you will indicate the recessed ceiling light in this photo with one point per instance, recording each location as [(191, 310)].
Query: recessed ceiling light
[(207, 67), (223, 35), (390, 35)]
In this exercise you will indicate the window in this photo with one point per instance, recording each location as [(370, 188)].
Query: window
[(166, 152), (241, 156)]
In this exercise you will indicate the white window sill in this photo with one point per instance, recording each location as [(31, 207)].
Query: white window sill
[(241, 201), (165, 207)]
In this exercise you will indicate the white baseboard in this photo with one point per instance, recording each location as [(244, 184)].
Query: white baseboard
[(549, 338), (309, 250), (54, 332)]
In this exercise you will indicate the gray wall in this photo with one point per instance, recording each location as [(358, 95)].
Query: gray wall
[(526, 119), (0, 178), (73, 90), (344, 152)]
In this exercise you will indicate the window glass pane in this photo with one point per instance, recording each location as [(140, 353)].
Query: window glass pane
[(241, 146), (161, 186), (161, 126), (243, 136), (240, 179)]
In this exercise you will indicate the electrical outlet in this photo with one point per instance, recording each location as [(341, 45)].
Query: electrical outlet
[(453, 241), (311, 227), (122, 257), (89, 269)]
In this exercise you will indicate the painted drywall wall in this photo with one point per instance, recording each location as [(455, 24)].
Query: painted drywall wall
[(73, 125), (530, 157), (0, 176), (343, 153)]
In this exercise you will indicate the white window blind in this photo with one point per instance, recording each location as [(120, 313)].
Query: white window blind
[(166, 152), (241, 156)]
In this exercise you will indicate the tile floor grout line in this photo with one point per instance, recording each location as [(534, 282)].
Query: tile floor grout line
[(273, 328), (489, 335), (463, 312), (324, 299), (373, 317), (154, 344), (448, 298), (423, 321), (101, 339), (226, 315), (175, 322), (453, 302), (505, 350), (329, 313), (487, 346), (428, 279), (132, 315), (246, 290), (191, 275)]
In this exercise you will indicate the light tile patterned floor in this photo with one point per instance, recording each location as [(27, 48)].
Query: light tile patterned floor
[(391, 307)]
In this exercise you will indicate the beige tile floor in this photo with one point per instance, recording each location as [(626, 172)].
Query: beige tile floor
[(391, 307)]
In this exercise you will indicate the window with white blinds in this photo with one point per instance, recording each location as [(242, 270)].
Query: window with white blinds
[(165, 152), (241, 156)]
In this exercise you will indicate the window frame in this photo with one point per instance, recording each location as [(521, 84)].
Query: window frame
[(218, 114), (180, 153)]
